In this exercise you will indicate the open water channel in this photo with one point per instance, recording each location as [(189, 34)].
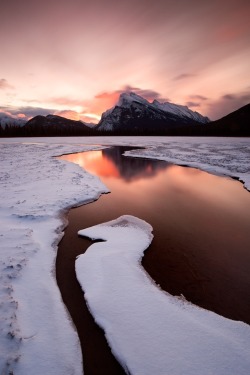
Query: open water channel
[(201, 245)]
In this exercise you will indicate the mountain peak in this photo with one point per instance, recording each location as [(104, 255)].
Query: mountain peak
[(126, 98), (132, 113)]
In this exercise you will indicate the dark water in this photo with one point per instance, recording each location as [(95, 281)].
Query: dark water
[(201, 245)]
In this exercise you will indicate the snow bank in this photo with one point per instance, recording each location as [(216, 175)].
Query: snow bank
[(36, 333), (225, 156), (149, 331)]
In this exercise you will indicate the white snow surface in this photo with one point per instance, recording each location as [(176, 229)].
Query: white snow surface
[(148, 330), (36, 333), (181, 110)]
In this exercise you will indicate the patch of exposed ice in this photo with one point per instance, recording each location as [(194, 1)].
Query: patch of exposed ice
[(148, 330)]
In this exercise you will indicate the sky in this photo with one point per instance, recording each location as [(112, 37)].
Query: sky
[(74, 58)]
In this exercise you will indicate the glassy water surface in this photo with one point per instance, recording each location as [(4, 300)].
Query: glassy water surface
[(201, 222)]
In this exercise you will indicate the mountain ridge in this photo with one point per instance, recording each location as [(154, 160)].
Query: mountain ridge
[(135, 114)]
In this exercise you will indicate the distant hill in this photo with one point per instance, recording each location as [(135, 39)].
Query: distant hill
[(236, 123), (53, 125), (135, 115)]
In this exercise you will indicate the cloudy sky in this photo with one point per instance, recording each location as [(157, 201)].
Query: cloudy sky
[(74, 57)]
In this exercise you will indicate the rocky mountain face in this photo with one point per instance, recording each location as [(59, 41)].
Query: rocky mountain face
[(134, 114), (181, 111)]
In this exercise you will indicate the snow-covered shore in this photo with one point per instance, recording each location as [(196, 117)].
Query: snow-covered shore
[(36, 334)]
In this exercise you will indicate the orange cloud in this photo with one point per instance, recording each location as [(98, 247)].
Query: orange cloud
[(90, 117), (106, 100), (71, 115), (76, 116)]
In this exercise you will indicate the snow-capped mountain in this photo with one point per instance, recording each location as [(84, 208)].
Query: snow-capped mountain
[(181, 110), (133, 113)]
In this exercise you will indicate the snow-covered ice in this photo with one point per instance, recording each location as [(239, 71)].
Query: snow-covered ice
[(36, 333), (148, 330), (225, 156)]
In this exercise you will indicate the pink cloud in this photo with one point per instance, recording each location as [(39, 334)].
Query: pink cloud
[(66, 101), (4, 84), (198, 97), (106, 100), (183, 76), (192, 104), (228, 103)]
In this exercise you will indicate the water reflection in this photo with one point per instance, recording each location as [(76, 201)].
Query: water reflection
[(110, 163), (201, 224), (201, 237)]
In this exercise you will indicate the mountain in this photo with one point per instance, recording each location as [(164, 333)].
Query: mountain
[(134, 114), (56, 125), (181, 111), (236, 124), (54, 121)]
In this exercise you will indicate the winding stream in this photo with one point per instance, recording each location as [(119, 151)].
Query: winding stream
[(201, 246)]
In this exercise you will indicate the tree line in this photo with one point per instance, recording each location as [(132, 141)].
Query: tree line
[(211, 129)]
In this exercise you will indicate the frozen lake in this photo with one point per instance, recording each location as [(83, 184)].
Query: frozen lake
[(201, 237), (37, 190)]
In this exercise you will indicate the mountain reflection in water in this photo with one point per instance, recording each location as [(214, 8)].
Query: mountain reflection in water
[(110, 163)]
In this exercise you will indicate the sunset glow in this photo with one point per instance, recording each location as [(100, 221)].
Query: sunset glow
[(75, 58)]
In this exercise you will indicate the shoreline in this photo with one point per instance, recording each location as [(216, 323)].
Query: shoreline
[(91, 336)]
